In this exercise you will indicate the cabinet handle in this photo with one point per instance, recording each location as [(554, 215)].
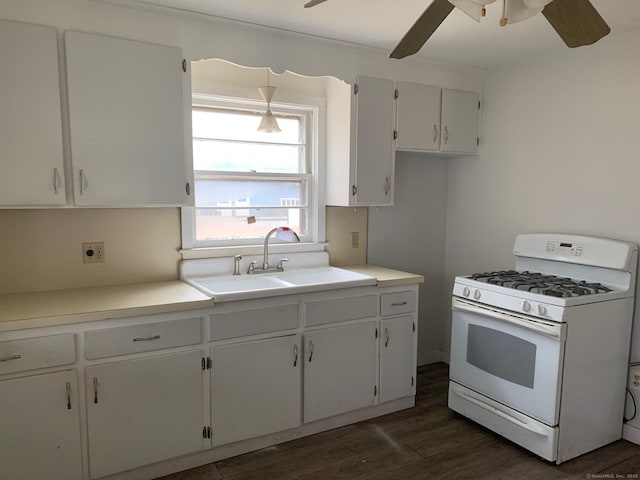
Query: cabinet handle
[(146, 339), (387, 186), (56, 181), (435, 133), (398, 304), (386, 337), (95, 390), (83, 182), (310, 351), (68, 385), (10, 357), (295, 355), (446, 135)]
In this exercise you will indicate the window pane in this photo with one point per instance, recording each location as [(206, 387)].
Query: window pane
[(217, 224), (236, 125), (223, 206), (245, 157)]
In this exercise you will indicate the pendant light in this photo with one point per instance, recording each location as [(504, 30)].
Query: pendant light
[(268, 124)]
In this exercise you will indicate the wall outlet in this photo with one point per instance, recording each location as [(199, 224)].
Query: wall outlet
[(93, 252), (355, 239)]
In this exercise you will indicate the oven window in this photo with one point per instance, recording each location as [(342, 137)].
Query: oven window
[(502, 355)]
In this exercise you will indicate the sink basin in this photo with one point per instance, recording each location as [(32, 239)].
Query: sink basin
[(225, 288), (325, 275)]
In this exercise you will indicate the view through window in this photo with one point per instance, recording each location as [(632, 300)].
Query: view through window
[(248, 182)]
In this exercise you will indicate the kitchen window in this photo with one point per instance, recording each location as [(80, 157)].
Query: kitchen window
[(248, 182)]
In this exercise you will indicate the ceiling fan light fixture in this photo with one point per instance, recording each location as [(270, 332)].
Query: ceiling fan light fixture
[(537, 4), (517, 11), (470, 7)]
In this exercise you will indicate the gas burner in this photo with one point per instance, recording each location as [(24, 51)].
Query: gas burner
[(536, 282)]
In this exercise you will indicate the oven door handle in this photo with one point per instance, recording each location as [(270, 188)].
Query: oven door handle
[(531, 427), (554, 331)]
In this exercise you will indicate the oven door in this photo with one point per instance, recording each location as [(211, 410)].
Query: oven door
[(513, 359)]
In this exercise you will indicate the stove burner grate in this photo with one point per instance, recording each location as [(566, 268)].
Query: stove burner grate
[(544, 284)]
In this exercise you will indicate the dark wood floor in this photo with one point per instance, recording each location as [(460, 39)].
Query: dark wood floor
[(428, 441)]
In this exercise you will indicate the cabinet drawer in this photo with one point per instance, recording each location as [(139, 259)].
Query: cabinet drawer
[(396, 303), (253, 322), (110, 342), (340, 310), (39, 352)]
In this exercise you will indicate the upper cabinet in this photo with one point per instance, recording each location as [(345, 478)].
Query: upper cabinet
[(360, 142), (31, 157), (431, 119), (127, 122)]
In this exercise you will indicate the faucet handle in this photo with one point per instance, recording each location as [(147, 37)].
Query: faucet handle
[(279, 265), (252, 266)]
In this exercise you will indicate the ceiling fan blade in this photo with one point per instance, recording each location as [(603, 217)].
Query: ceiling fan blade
[(424, 27), (313, 3), (577, 22)]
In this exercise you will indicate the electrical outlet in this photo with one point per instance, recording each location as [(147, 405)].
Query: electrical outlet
[(355, 239), (93, 252)]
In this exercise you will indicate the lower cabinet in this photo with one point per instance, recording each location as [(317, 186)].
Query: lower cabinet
[(339, 370), (40, 427), (143, 411), (397, 357), (255, 388)]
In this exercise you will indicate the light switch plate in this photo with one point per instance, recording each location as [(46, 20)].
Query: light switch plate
[(355, 239)]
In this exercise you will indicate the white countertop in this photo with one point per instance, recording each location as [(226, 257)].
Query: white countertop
[(61, 307)]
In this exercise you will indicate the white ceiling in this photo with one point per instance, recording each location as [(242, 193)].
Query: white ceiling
[(382, 23)]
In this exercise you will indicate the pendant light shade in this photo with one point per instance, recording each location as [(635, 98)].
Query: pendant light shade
[(268, 124)]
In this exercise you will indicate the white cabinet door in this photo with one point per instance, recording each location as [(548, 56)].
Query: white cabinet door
[(40, 428), (143, 411), (418, 121), (397, 358), (255, 388), (30, 120), (374, 151), (339, 373), (460, 116), (126, 117)]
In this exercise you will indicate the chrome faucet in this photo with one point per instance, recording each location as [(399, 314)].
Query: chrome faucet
[(281, 233)]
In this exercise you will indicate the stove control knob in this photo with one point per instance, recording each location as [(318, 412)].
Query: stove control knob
[(466, 292), (526, 306), (476, 294), (542, 310)]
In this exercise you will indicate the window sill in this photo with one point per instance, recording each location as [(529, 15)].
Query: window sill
[(216, 252)]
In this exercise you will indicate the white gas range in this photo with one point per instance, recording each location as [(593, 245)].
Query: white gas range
[(539, 354)]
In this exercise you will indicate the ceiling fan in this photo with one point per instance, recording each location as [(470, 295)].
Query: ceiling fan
[(576, 21)]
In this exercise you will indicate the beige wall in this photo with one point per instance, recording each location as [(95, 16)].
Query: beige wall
[(341, 221), (42, 249)]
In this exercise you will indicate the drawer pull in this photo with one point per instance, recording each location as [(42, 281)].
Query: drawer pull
[(95, 390), (295, 355), (11, 357), (68, 385), (146, 339), (386, 337), (398, 304)]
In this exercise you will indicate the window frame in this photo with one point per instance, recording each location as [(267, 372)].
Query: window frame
[(313, 110)]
